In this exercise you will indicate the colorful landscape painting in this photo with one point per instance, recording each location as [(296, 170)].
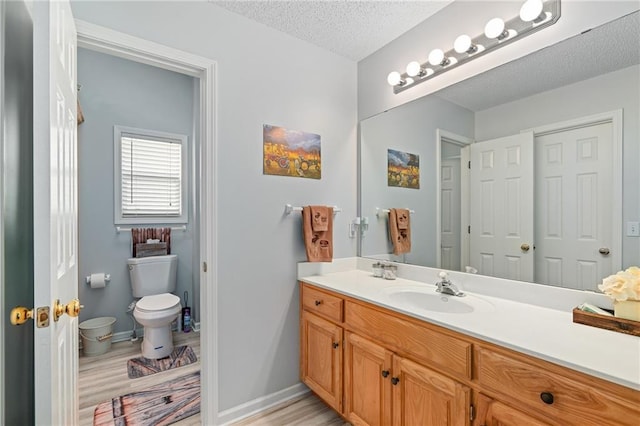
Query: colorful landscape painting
[(403, 169), (290, 152)]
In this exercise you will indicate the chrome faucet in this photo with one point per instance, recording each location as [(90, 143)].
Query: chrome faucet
[(447, 287)]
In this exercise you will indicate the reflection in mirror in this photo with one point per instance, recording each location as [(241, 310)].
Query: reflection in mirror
[(542, 201)]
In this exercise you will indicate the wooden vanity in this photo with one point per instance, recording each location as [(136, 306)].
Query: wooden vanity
[(376, 366)]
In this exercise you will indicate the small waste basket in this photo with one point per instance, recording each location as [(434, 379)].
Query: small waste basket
[(96, 335)]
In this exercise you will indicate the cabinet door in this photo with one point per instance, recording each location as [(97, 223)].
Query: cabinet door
[(422, 397), (494, 413), (321, 358), (367, 382)]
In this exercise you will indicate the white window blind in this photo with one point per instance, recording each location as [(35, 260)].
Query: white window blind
[(151, 176)]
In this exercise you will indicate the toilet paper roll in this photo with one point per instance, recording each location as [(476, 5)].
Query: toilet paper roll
[(98, 280)]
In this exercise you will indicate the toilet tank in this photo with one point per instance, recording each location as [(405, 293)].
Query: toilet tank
[(153, 275)]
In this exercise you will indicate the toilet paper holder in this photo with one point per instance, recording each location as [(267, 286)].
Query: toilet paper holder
[(107, 278)]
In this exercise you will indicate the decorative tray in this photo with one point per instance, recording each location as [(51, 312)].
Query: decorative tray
[(621, 325)]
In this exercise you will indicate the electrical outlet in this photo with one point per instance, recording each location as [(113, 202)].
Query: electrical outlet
[(633, 229)]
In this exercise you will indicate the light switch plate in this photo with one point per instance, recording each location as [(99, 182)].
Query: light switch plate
[(633, 229)]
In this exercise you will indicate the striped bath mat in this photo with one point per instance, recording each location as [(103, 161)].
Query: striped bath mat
[(162, 404), (141, 366)]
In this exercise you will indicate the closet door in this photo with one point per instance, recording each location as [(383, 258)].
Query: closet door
[(501, 207), (575, 207)]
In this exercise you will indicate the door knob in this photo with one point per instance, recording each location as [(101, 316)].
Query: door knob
[(20, 315), (525, 247), (603, 250), (72, 309)]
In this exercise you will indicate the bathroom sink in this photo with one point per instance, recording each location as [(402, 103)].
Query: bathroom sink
[(427, 299)]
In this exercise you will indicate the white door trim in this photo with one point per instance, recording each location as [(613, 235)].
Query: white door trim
[(94, 37), (462, 141), (615, 118)]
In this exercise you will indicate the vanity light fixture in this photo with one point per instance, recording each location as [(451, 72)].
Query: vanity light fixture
[(532, 11), (534, 15)]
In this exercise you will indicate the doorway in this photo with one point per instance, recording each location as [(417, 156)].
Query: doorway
[(158, 105), (104, 40)]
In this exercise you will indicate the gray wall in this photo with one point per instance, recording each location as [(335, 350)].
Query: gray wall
[(16, 130), (264, 76), (121, 92), (411, 128), (616, 90)]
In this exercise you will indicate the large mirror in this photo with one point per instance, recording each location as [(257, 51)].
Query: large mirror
[(553, 143)]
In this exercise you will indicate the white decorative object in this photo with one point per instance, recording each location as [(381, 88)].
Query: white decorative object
[(624, 288)]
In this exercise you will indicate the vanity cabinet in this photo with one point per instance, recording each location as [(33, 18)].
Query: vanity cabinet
[(495, 413), (382, 388), (376, 366), (321, 358)]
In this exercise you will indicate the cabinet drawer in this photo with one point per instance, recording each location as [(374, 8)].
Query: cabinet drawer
[(411, 339), (576, 402), (322, 303)]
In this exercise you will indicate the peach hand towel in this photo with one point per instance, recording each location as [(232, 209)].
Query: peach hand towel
[(320, 217), (400, 230), (318, 244)]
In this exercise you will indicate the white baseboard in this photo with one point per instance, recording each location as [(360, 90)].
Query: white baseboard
[(250, 408)]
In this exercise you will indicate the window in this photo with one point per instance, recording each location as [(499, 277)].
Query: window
[(150, 178)]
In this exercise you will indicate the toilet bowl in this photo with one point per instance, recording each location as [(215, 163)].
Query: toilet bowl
[(152, 280), (156, 313)]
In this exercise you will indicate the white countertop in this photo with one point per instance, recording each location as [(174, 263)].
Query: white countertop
[(543, 332)]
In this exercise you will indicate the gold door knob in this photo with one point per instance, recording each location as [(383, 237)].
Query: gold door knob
[(20, 315), (525, 247), (72, 309)]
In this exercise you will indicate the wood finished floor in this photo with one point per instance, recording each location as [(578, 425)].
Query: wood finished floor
[(104, 377)]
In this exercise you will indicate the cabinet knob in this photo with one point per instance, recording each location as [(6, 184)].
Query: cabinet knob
[(318, 302), (335, 345), (547, 397), (395, 380), (385, 373)]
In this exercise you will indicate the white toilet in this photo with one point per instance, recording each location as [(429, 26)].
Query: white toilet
[(153, 279)]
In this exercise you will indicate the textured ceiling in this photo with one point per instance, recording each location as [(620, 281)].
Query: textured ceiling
[(604, 49), (351, 28)]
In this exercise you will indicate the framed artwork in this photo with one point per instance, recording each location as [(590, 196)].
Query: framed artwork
[(403, 169), (290, 153)]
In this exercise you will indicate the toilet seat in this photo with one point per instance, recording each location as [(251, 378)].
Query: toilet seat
[(157, 302)]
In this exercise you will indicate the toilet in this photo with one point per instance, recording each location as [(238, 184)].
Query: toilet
[(153, 279)]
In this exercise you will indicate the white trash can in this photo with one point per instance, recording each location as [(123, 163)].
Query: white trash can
[(96, 335)]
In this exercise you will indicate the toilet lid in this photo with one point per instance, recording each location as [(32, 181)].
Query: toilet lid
[(158, 302)]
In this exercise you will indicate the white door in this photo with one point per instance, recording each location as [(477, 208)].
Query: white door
[(55, 210), (574, 213), (450, 209), (501, 207)]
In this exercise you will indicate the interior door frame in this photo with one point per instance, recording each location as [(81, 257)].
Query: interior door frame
[(614, 117), (111, 42), (461, 141)]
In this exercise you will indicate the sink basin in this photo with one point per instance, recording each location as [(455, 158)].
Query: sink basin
[(428, 300)]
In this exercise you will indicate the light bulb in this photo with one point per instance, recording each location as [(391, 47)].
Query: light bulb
[(414, 68), (531, 10), (394, 78), (463, 44), (436, 57), (494, 28)]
